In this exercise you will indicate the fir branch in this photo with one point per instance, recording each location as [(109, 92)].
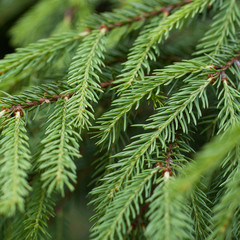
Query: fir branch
[(144, 48), (39, 101), (113, 223), (60, 147), (135, 13), (207, 160), (110, 122), (169, 218), (35, 57), (165, 123), (225, 25), (33, 223), (38, 211), (201, 214), (83, 78), (29, 99), (14, 166), (230, 111), (226, 208)]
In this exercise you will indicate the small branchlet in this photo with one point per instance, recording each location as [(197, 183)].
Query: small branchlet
[(220, 70)]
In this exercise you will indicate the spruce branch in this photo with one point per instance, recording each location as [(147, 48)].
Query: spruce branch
[(60, 147), (165, 123), (128, 99), (136, 12), (225, 25), (120, 107), (146, 144), (225, 210), (169, 218), (39, 101), (84, 80), (14, 165), (166, 161), (144, 48), (124, 205), (201, 213), (33, 223), (207, 160), (31, 98), (110, 124), (38, 211), (222, 68), (230, 111), (35, 57)]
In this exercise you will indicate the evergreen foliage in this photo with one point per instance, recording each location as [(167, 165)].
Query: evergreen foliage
[(14, 165), (151, 88)]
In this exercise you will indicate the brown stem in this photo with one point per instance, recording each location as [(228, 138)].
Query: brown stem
[(106, 84), (40, 101), (222, 69), (69, 14), (166, 10)]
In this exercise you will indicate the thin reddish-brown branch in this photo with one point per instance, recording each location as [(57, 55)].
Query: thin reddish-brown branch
[(222, 69), (40, 101), (166, 10), (106, 84)]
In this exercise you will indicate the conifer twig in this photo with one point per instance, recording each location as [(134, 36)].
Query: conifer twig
[(166, 10), (41, 100), (222, 69)]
